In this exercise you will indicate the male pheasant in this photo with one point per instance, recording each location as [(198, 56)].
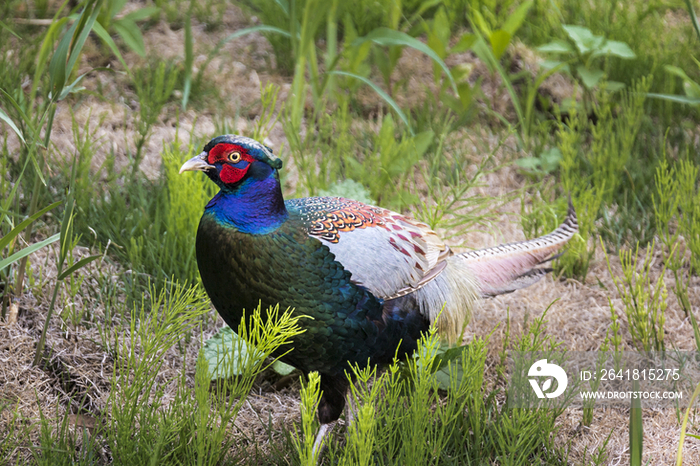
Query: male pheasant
[(371, 279)]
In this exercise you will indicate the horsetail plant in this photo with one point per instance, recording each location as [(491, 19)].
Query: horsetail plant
[(644, 302), (310, 397)]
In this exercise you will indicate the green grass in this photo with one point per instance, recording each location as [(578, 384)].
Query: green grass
[(404, 418)]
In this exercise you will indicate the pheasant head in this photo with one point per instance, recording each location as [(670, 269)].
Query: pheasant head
[(250, 199), (231, 160)]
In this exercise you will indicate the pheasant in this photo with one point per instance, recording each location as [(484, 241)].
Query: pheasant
[(373, 280)]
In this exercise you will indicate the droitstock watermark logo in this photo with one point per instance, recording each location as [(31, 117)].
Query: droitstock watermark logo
[(542, 369), (596, 378)]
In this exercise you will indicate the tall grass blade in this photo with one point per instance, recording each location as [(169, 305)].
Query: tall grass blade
[(5, 240), (70, 47), (385, 36), (693, 17), (107, 39), (78, 265), (24, 117), (636, 432), (11, 31), (681, 99), (57, 66), (189, 58), (684, 426), (85, 26), (47, 46), (392, 103), (230, 37), (8, 120), (696, 330), (28, 250)]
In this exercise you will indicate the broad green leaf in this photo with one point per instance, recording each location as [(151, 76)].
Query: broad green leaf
[(551, 64), (515, 20), (443, 370), (5, 240), (550, 159), (439, 46), (486, 54), (583, 38), (589, 77), (282, 368), (556, 46), (78, 265), (499, 42), (382, 94), (615, 48), (387, 37), (28, 250), (227, 354), (529, 163), (131, 35), (70, 47), (4, 117)]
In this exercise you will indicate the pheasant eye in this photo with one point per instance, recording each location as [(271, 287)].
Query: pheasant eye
[(234, 157)]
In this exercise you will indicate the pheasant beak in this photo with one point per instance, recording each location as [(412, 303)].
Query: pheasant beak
[(198, 162)]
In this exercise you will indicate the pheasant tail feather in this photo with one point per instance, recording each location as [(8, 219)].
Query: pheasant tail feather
[(509, 267)]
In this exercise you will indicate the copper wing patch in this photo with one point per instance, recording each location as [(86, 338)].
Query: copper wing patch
[(345, 215)]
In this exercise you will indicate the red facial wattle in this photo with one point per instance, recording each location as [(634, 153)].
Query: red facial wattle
[(230, 172)]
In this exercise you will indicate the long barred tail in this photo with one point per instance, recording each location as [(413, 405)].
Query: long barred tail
[(509, 267)]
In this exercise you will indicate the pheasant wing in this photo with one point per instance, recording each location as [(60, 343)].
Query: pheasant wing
[(389, 254)]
